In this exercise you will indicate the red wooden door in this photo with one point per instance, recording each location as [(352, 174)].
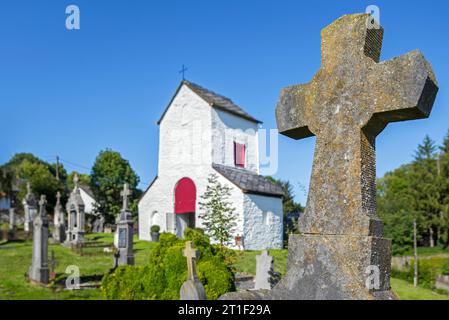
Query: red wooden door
[(185, 196)]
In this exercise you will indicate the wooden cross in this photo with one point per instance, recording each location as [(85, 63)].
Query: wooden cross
[(346, 105), (182, 71), (126, 193), (191, 254)]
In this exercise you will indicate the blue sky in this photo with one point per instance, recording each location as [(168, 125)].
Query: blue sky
[(74, 93)]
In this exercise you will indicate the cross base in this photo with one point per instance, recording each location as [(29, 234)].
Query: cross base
[(331, 267)]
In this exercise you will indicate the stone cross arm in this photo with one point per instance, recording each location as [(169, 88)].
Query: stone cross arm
[(348, 102), (351, 81)]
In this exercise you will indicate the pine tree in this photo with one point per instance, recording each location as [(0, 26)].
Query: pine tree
[(217, 213)]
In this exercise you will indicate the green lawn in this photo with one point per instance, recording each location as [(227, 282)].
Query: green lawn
[(406, 291), (427, 251), (15, 259)]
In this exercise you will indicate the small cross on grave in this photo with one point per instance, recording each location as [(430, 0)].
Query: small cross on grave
[(192, 289), (126, 193), (191, 254)]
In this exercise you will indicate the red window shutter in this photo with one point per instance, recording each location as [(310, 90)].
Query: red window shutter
[(239, 154)]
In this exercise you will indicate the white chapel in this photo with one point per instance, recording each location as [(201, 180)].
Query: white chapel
[(203, 133)]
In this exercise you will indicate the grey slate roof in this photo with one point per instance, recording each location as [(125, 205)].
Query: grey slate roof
[(214, 100), (249, 182)]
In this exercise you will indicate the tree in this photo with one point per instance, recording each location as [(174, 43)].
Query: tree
[(217, 213), (425, 188), (109, 173), (84, 179), (25, 167)]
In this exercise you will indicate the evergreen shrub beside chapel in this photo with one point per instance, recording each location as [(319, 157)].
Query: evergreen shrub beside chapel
[(163, 276)]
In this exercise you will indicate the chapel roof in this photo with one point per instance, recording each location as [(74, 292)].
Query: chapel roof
[(214, 100), (249, 182)]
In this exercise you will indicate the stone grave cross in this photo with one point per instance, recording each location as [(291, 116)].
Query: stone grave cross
[(126, 193), (349, 101), (191, 254)]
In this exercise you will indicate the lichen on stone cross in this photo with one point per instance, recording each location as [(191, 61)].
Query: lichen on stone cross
[(58, 198), (349, 101), (191, 254), (126, 193)]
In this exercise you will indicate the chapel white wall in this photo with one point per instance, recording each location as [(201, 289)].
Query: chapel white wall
[(227, 128), (263, 222), (185, 145)]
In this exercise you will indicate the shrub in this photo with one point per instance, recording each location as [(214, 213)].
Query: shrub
[(155, 229), (163, 277), (445, 269), (428, 270)]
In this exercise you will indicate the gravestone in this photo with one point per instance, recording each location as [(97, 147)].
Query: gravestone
[(12, 220), (340, 253), (38, 272), (75, 216), (125, 231), (59, 221), (192, 288), (30, 209), (264, 272)]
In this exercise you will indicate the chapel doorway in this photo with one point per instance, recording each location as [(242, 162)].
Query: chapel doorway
[(185, 205)]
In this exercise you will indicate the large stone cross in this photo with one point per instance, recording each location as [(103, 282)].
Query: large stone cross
[(346, 105), (126, 193), (191, 254)]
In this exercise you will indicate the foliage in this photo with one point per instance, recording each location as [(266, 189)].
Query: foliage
[(42, 176), (445, 269), (84, 179), (155, 229), (109, 173), (217, 214), (418, 190), (428, 270), (166, 271)]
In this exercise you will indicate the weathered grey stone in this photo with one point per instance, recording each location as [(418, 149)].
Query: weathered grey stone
[(192, 288), (76, 217), (58, 221), (264, 271), (30, 209), (125, 231), (38, 272), (12, 220), (347, 104)]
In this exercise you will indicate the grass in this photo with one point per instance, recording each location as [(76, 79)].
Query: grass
[(427, 251), (406, 291), (15, 258)]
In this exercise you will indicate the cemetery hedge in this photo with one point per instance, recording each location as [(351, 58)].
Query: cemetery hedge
[(428, 270), (166, 271)]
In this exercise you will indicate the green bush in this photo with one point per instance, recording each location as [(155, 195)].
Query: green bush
[(163, 277), (428, 270), (445, 269), (155, 229)]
